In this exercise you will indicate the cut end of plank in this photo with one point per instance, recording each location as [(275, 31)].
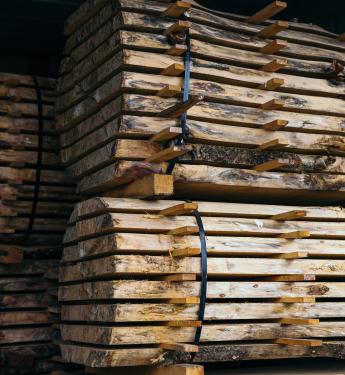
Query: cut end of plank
[(272, 164), (274, 65)]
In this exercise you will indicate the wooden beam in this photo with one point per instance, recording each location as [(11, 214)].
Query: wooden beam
[(152, 186), (294, 255), (168, 154), (176, 9), (272, 84), (173, 70), (272, 164), (267, 12), (272, 29), (273, 47), (179, 209), (341, 37), (296, 234), (180, 347), (272, 104), (274, 65), (175, 278), (288, 278), (167, 134), (184, 301), (180, 108), (290, 215), (185, 252), (176, 50), (297, 321), (182, 323), (183, 231), (293, 300), (178, 26), (54, 309), (303, 342), (169, 91), (274, 125), (275, 144)]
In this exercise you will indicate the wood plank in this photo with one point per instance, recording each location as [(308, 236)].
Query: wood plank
[(180, 347), (179, 209), (183, 231), (26, 80), (295, 234), (176, 9), (298, 342), (272, 84), (298, 321), (124, 357), (176, 50), (274, 65), (168, 154), (295, 255), (17, 335), (272, 29), (210, 332), (290, 215), (166, 134), (272, 164), (169, 91), (33, 300), (136, 265), (294, 300), (290, 278), (22, 284), (180, 108), (26, 317), (29, 267), (267, 12), (273, 47)]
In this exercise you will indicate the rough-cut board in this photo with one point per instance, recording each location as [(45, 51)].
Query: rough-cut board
[(16, 335), (32, 300)]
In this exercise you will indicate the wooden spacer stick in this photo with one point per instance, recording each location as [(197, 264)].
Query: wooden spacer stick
[(288, 278), (11, 254), (293, 255), (272, 84), (274, 125), (168, 154), (176, 9), (272, 104), (274, 65), (267, 12), (178, 26), (183, 231), (53, 309), (304, 342), (272, 29), (166, 134), (180, 108), (290, 215), (273, 47), (179, 209), (297, 234), (176, 50), (180, 347), (185, 252), (293, 300), (297, 321), (273, 164), (173, 70), (181, 323), (341, 37), (12, 82), (52, 292), (275, 144), (174, 278), (183, 301), (169, 91)]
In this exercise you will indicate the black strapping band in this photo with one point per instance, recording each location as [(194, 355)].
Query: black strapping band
[(185, 97), (203, 276), (39, 161)]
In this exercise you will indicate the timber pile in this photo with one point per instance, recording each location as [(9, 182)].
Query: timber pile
[(265, 125), (29, 308), (131, 282)]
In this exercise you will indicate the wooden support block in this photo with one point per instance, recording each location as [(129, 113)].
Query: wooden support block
[(290, 215), (341, 37), (297, 321), (181, 323), (272, 29), (274, 125), (153, 186), (184, 301), (180, 347), (185, 252), (168, 154), (176, 50), (51, 275), (17, 164), (273, 47), (179, 209), (176, 9), (293, 255), (275, 144), (173, 70), (184, 231), (56, 326), (166, 134), (8, 197), (58, 358), (304, 342), (272, 104), (293, 300), (52, 292), (267, 12), (15, 182), (287, 278), (174, 278), (7, 231), (180, 108), (12, 82), (274, 65), (11, 254), (55, 310), (272, 164), (272, 84), (178, 26), (169, 91), (297, 234)]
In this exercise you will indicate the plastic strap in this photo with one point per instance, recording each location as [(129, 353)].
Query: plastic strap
[(185, 97), (203, 276), (39, 161)]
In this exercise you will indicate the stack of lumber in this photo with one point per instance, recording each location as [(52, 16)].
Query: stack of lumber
[(269, 128), (29, 308), (265, 130), (132, 282)]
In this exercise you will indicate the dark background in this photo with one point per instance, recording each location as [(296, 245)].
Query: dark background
[(31, 39)]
